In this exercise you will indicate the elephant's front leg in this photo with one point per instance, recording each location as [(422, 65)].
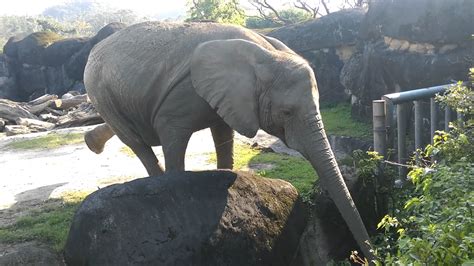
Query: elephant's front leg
[(223, 136), (174, 143)]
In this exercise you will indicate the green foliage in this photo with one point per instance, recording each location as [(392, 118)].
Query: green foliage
[(435, 225), (338, 121), (292, 15), (49, 141), (71, 19), (222, 11), (295, 170)]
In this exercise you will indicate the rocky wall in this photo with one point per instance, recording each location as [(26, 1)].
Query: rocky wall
[(44, 63), (394, 46)]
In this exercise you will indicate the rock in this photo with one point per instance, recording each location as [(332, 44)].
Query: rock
[(202, 218), (12, 130), (29, 254), (77, 63), (11, 48), (336, 29), (343, 146), (59, 52), (327, 43), (327, 68), (8, 85), (43, 63), (30, 50), (376, 70), (327, 237), (423, 21)]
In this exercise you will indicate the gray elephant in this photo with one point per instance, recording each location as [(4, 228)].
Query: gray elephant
[(157, 83)]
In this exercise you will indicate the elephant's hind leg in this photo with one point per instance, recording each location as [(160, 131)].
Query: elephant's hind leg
[(148, 159), (223, 136), (97, 137), (143, 151)]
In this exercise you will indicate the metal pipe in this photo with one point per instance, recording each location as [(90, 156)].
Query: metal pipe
[(418, 123), (413, 95), (378, 117), (447, 118), (433, 118), (390, 126), (401, 136)]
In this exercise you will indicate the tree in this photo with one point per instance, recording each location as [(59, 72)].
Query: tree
[(310, 8), (222, 11), (290, 15)]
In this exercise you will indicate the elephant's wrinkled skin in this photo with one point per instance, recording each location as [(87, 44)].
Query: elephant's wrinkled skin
[(156, 83)]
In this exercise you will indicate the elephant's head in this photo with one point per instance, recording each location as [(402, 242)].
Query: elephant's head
[(273, 89)]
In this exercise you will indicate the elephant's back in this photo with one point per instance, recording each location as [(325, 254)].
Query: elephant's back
[(133, 71), (150, 42), (144, 61)]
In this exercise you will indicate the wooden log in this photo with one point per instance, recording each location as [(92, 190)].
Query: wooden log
[(67, 103), (35, 109), (11, 110), (12, 130), (43, 99), (88, 120), (84, 115), (55, 112), (3, 122), (35, 124), (49, 118)]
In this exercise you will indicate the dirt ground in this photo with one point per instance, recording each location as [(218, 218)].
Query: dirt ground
[(31, 177)]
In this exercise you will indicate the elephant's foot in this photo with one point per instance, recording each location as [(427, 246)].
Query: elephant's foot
[(97, 137)]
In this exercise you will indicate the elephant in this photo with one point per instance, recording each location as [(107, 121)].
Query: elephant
[(157, 83)]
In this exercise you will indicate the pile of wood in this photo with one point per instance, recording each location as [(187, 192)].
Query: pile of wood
[(47, 112)]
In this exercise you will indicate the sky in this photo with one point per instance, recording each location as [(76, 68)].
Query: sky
[(142, 7)]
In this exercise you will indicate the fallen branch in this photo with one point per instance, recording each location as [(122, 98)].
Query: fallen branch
[(67, 103)]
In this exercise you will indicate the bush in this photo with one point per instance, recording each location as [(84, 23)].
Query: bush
[(435, 226)]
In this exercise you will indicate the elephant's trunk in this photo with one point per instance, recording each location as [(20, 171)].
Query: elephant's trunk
[(318, 152)]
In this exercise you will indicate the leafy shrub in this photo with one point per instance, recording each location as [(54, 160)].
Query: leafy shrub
[(435, 226)]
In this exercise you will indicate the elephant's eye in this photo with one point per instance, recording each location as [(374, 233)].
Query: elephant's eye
[(286, 112)]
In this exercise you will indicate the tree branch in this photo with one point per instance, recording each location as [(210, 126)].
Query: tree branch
[(262, 6)]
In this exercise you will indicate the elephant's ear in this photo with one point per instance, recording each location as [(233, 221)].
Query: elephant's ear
[(280, 46), (225, 74)]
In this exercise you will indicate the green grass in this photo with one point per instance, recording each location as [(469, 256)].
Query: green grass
[(295, 170), (50, 226), (49, 141), (127, 151), (338, 121)]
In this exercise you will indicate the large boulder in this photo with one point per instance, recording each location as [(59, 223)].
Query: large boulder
[(422, 21), (8, 87), (43, 62), (379, 69), (327, 43), (334, 30), (203, 218), (30, 49), (429, 45), (77, 63), (59, 52)]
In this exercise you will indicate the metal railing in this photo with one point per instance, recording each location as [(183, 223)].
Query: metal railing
[(391, 112)]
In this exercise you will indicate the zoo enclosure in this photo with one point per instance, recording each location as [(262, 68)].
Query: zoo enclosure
[(392, 112)]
